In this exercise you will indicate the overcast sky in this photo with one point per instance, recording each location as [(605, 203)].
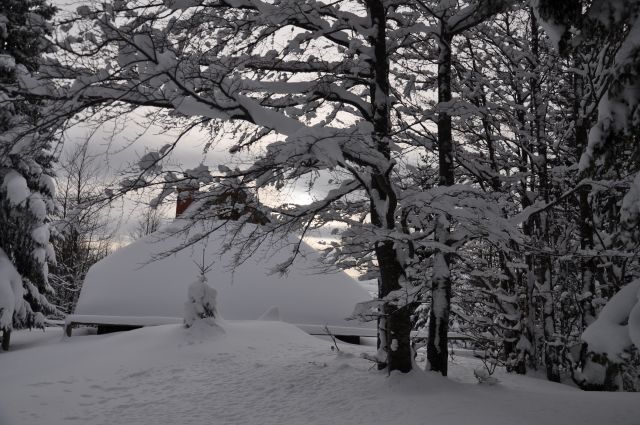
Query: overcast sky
[(120, 150)]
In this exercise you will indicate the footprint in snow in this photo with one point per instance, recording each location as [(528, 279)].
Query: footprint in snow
[(138, 374)]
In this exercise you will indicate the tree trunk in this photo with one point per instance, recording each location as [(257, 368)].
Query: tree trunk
[(437, 344), (395, 325), (394, 328), (587, 265), (526, 282), (6, 339), (445, 137), (552, 345), (552, 356)]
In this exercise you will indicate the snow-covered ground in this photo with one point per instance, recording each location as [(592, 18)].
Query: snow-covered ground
[(260, 372)]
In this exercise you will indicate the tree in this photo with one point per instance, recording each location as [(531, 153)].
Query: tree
[(321, 76), (346, 92), (82, 227), (27, 189), (201, 302), (243, 79), (606, 58), (450, 21), (148, 222)]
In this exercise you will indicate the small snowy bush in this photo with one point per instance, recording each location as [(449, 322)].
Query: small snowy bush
[(610, 342), (201, 302), (484, 376)]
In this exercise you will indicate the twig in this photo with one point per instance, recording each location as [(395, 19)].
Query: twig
[(335, 343)]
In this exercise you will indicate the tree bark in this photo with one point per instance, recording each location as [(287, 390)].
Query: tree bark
[(6, 339), (394, 328), (552, 357), (445, 136), (437, 344), (588, 267)]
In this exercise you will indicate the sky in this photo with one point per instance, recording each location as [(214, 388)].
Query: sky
[(120, 151)]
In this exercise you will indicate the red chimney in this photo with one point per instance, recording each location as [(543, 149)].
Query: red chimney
[(186, 194)]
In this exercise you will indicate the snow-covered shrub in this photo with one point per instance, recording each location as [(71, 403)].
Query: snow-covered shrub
[(610, 341), (201, 302), (484, 376)]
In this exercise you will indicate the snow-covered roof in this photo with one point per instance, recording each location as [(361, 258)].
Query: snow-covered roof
[(128, 284)]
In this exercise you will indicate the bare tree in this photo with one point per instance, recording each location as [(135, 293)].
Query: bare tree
[(148, 221), (84, 231)]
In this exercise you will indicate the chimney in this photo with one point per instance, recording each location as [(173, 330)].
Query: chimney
[(186, 195)]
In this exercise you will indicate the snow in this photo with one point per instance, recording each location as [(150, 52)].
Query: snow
[(201, 303), (630, 210), (127, 284), (38, 206), (264, 373), (16, 187), (272, 314), (7, 61), (551, 28), (11, 291), (41, 234), (619, 321)]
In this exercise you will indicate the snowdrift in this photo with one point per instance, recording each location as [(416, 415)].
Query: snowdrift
[(129, 284), (265, 373)]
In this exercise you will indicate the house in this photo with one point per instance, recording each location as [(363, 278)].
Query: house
[(145, 283)]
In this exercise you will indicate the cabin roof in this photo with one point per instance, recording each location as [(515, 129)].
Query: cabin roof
[(130, 283)]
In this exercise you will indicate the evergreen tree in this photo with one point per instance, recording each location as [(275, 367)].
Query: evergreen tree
[(201, 300), (26, 176)]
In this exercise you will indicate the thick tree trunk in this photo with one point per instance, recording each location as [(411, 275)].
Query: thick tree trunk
[(437, 344), (394, 327), (6, 340), (445, 136)]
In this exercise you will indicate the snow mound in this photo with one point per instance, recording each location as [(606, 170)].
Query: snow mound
[(618, 325), (128, 283), (264, 373)]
